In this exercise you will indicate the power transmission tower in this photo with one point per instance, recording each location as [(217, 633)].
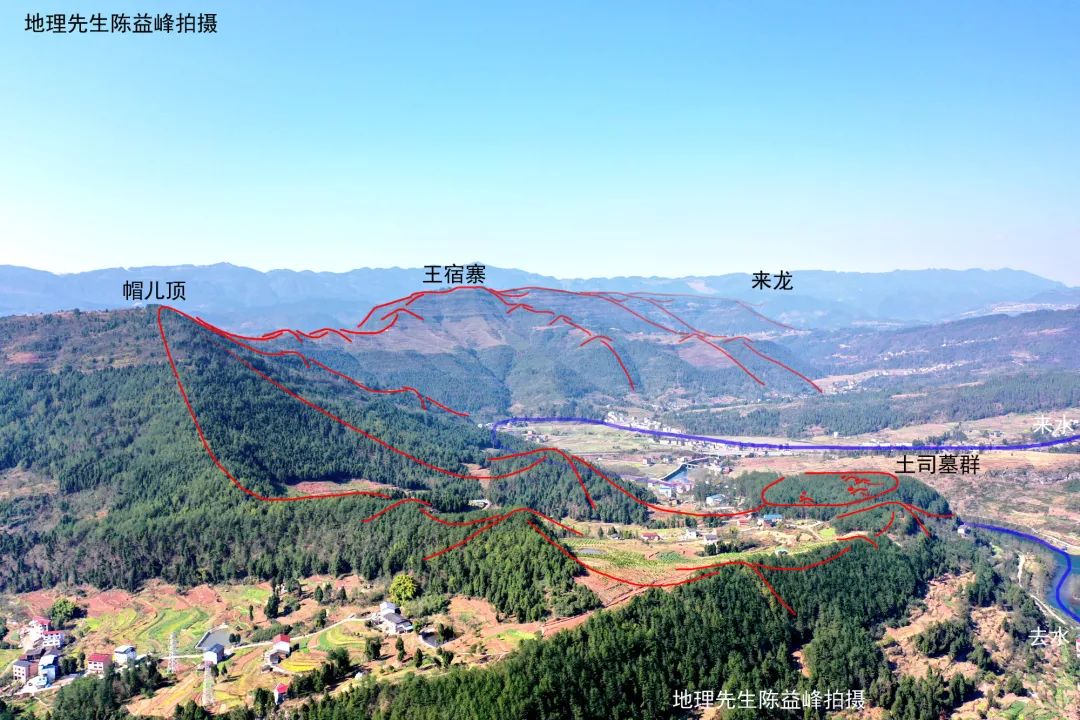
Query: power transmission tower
[(174, 662), (207, 688)]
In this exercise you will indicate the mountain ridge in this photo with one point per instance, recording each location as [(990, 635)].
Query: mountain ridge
[(242, 296)]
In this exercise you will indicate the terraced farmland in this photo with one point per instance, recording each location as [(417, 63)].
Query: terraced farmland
[(349, 635), (150, 633)]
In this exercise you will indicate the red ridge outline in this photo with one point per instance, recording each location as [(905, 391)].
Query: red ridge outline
[(572, 460)]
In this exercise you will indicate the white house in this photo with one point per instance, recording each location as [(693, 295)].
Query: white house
[(39, 624), (214, 654), (394, 624), (49, 667), (390, 619), (53, 638), (124, 654), (21, 670), (282, 644)]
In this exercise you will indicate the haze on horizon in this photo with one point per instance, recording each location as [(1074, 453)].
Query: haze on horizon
[(653, 139)]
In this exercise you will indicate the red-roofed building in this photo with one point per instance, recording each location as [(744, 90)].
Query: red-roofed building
[(282, 644), (649, 537), (97, 662), (40, 623), (280, 693)]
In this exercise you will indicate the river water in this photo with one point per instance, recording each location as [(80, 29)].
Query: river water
[(1069, 600)]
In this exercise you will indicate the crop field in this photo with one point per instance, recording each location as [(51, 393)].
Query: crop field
[(513, 638), (348, 635), (148, 632), (302, 661)]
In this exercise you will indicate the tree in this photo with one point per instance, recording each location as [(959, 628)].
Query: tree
[(62, 611), (272, 605), (262, 701), (372, 648), (251, 613), (403, 588), (400, 647), (418, 659)]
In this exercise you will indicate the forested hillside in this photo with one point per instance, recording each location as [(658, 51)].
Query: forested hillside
[(721, 634), (138, 497)]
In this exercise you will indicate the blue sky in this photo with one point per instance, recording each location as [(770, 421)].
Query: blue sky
[(570, 138)]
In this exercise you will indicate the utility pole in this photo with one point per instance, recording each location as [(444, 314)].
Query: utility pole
[(174, 663), (207, 688)]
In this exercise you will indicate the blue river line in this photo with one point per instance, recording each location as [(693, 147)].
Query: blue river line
[(1068, 562), (771, 446)]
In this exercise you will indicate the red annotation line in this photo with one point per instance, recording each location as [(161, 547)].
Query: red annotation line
[(488, 523), (509, 297)]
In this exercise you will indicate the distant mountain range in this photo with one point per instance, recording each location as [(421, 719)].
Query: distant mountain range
[(246, 298)]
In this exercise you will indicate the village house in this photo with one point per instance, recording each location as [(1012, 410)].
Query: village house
[(214, 654), (390, 620), (96, 663), (53, 638), (49, 667), (280, 693), (39, 624), (690, 534), (34, 654), (280, 649), (710, 537), (714, 500), (23, 670), (664, 491), (771, 519), (649, 537), (123, 654)]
